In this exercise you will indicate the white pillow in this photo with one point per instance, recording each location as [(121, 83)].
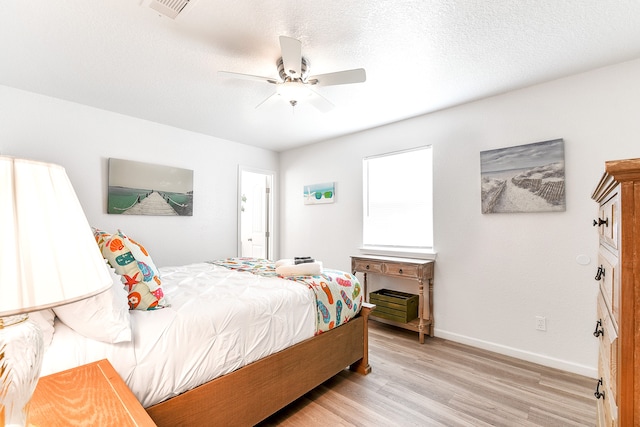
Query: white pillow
[(304, 269), (103, 317), (44, 319)]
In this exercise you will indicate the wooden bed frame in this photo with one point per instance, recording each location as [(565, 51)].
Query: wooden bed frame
[(253, 392)]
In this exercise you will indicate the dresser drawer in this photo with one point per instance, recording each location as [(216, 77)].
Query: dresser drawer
[(607, 408), (367, 266), (608, 349), (609, 282), (609, 212)]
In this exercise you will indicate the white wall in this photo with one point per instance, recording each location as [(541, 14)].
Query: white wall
[(494, 273), (82, 139)]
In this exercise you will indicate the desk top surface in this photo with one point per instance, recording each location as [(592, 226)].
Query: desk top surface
[(392, 259)]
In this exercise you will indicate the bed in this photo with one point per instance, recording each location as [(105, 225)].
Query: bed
[(228, 342)]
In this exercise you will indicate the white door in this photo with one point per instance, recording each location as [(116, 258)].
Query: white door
[(255, 214)]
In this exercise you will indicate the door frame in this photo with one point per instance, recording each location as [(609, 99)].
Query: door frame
[(270, 211)]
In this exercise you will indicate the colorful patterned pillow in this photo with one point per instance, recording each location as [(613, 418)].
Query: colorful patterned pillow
[(101, 237), (133, 263)]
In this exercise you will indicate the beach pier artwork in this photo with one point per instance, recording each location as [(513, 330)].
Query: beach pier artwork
[(137, 188)]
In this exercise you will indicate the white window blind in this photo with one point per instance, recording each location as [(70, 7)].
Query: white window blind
[(398, 200)]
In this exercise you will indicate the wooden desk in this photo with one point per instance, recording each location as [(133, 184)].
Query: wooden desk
[(407, 268), (89, 395)]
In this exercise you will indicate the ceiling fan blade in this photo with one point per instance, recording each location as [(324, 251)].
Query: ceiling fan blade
[(247, 77), (357, 75), (269, 100), (320, 102), (291, 55)]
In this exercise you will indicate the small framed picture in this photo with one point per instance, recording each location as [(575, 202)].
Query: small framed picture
[(317, 194)]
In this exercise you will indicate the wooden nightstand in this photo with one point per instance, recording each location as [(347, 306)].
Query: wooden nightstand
[(89, 395)]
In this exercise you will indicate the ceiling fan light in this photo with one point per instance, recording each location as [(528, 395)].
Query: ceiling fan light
[(292, 91)]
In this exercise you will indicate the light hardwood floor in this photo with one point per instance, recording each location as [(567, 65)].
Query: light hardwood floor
[(442, 383)]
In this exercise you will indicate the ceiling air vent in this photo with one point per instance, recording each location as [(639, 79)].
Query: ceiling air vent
[(170, 8)]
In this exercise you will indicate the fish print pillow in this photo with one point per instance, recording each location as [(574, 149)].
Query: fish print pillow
[(134, 265)]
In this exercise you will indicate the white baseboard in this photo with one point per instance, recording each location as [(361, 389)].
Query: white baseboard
[(587, 371)]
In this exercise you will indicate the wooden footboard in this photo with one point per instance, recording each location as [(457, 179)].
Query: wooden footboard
[(252, 393)]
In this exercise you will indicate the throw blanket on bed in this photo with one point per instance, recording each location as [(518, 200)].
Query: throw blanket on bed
[(338, 294)]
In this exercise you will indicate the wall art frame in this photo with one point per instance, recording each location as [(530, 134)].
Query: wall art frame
[(524, 178), (138, 188), (320, 194)]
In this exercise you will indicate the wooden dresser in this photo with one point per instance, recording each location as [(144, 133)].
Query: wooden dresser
[(407, 268), (618, 275)]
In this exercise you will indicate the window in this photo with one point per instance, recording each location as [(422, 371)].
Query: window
[(398, 201)]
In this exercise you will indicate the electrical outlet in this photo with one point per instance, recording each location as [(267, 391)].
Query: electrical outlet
[(541, 323)]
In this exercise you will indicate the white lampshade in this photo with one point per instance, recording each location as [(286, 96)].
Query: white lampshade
[(48, 255)]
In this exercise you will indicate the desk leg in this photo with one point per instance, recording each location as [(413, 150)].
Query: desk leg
[(364, 285), (421, 305), (430, 299)]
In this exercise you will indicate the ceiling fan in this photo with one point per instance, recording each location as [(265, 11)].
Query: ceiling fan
[(295, 84)]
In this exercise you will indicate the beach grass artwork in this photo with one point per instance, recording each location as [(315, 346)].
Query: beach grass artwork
[(137, 188), (317, 194), (524, 178)]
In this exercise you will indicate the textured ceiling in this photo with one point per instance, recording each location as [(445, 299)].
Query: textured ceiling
[(420, 56)]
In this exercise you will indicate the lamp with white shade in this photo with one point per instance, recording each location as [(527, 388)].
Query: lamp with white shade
[(48, 257)]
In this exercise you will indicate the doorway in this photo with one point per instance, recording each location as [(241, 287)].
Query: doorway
[(255, 213)]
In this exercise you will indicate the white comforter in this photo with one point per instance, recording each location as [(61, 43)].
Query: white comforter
[(219, 320)]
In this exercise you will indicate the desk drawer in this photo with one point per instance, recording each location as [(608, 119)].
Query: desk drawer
[(401, 270), (367, 266)]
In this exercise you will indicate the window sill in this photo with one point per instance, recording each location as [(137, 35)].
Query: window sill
[(399, 252)]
